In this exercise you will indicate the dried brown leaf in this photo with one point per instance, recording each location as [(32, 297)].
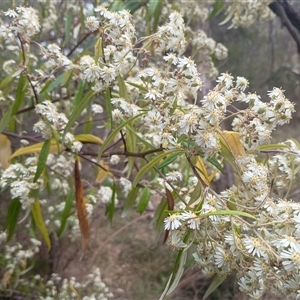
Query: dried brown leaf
[(81, 208)]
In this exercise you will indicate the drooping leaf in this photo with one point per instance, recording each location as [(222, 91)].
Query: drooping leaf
[(168, 160), (130, 200), (88, 139), (122, 88), (12, 217), (5, 118), (42, 160), (144, 200), (36, 148), (131, 147), (39, 221), (81, 208), (214, 285), (98, 49), (201, 169), (5, 151), (66, 213), (20, 94), (111, 206), (78, 109), (228, 212), (114, 133), (146, 168), (103, 173), (217, 8)]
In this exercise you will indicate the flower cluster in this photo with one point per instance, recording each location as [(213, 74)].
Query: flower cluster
[(245, 13), (24, 22), (51, 121), (19, 177)]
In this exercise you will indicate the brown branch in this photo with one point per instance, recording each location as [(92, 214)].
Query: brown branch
[(289, 18)]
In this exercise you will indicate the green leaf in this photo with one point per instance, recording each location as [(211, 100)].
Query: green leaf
[(272, 147), (168, 160), (228, 212), (130, 200), (42, 160), (114, 133), (39, 221), (54, 84), (68, 29), (144, 200), (12, 217), (160, 215), (218, 7), (215, 163), (111, 206), (214, 285), (107, 98), (131, 147), (122, 88), (156, 7), (141, 88), (78, 109), (67, 77), (98, 50), (79, 94), (5, 119), (146, 168), (140, 138), (66, 213), (6, 81)]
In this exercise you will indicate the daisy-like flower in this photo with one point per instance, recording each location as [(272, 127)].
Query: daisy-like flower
[(176, 242), (174, 176), (92, 23), (172, 222), (192, 219)]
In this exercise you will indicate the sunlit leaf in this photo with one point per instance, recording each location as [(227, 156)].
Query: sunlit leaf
[(103, 173), (89, 139), (228, 212), (39, 221), (5, 151)]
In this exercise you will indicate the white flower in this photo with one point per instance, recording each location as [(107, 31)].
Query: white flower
[(114, 159), (172, 222), (92, 23), (97, 109)]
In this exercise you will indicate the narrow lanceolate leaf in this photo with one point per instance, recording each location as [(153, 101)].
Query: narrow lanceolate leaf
[(122, 88), (151, 164), (66, 213), (5, 151), (12, 217), (114, 133), (5, 118), (39, 221), (88, 139), (111, 206), (78, 109), (168, 160), (171, 203), (214, 285), (36, 148), (20, 95), (98, 50), (42, 160), (130, 200), (103, 172), (144, 200), (228, 212), (81, 208)]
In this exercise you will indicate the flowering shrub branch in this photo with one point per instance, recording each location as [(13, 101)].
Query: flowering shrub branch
[(172, 143)]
